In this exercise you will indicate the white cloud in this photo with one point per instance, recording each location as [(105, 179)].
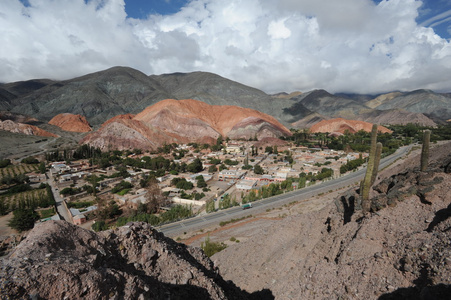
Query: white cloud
[(274, 45)]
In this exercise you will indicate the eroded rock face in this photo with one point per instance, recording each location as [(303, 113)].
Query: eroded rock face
[(59, 260), (340, 125), (71, 122), (184, 121), (27, 129)]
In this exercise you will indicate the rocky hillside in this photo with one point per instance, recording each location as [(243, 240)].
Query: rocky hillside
[(395, 116), (120, 90), (18, 118), (183, 121), (71, 122), (58, 260), (433, 105), (97, 96), (401, 250), (27, 129), (340, 125)]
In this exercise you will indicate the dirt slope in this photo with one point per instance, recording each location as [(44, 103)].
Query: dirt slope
[(400, 251)]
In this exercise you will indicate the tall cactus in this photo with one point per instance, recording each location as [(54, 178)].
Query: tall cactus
[(425, 150), (366, 184), (377, 160)]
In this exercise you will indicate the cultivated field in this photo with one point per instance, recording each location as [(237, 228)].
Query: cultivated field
[(13, 170)]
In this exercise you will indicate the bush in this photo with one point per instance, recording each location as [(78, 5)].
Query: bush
[(211, 248), (99, 226)]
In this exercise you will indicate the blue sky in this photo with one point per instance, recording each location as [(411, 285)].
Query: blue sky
[(360, 46), (433, 13), (436, 14), (140, 9)]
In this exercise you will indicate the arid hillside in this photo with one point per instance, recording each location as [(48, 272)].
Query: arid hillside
[(71, 122), (400, 250), (27, 129), (340, 125), (184, 121)]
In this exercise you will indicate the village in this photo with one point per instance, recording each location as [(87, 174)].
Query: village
[(232, 173)]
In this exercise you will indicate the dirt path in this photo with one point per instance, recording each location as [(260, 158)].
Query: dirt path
[(196, 237)]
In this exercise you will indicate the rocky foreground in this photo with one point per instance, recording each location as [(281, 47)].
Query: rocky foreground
[(402, 250), (58, 260)]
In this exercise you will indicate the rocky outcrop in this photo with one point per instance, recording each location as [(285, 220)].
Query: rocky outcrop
[(27, 129), (184, 121), (398, 251), (71, 122), (18, 118), (340, 125), (59, 260)]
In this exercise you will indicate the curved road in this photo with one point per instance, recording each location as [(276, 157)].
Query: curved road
[(260, 206)]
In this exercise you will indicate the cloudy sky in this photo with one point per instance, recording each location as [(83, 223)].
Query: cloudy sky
[(360, 46)]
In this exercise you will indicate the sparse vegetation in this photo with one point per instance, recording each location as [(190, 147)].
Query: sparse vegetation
[(224, 223), (211, 248)]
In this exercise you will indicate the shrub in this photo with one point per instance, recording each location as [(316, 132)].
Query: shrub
[(99, 226), (211, 248)]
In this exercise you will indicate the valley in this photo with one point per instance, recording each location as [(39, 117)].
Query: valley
[(121, 159)]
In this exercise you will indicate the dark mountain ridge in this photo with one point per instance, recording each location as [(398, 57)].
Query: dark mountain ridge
[(102, 95)]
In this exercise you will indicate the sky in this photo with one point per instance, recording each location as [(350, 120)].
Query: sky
[(350, 46)]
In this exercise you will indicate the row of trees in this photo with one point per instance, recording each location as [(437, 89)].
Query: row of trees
[(25, 215)]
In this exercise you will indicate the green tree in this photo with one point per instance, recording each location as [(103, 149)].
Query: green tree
[(201, 181), (212, 169), (42, 168), (258, 170), (4, 163), (195, 166), (23, 219), (30, 160)]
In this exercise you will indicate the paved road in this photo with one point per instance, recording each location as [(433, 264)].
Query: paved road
[(305, 194), (58, 199)]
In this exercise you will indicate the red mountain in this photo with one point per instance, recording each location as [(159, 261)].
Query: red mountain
[(340, 125), (71, 122), (184, 121)]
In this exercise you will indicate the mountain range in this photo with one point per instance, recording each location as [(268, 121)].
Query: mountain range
[(117, 91)]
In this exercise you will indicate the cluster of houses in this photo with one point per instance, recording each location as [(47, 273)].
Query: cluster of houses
[(233, 179)]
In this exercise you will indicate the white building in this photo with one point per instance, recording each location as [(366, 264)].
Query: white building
[(246, 184)]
